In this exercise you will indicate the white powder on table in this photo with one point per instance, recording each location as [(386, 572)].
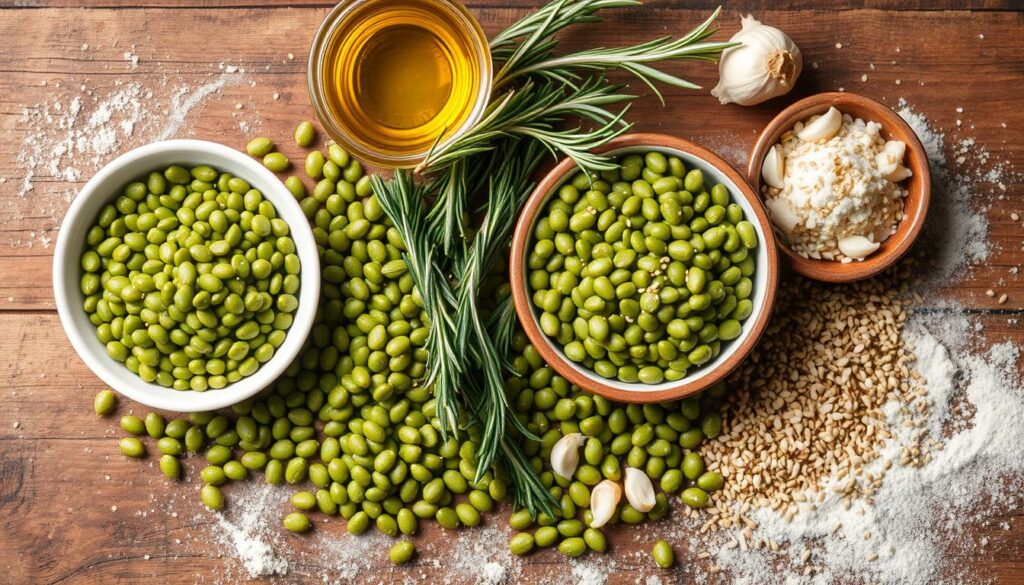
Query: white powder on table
[(249, 529), (72, 134)]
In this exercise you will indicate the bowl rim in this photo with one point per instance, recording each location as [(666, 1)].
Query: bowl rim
[(688, 386), (69, 301), (315, 85), (830, 270)]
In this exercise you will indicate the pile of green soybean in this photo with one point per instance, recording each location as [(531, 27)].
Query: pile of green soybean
[(190, 278), (350, 426), (642, 273)]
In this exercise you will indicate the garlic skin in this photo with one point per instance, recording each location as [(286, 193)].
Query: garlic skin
[(565, 455), (604, 499), (773, 168), (766, 65), (639, 490)]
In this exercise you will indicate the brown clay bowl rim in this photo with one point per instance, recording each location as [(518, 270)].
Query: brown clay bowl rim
[(731, 355), (916, 202)]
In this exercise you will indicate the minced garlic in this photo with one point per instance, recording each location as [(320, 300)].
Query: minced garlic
[(838, 196)]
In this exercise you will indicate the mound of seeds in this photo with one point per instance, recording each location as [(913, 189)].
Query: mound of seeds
[(190, 278), (645, 274), (807, 404)]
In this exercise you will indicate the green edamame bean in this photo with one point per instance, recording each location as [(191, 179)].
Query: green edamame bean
[(305, 133), (105, 402), (663, 555), (521, 543), (401, 552), (296, 522)]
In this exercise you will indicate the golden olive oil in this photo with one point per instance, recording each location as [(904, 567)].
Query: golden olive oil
[(399, 74)]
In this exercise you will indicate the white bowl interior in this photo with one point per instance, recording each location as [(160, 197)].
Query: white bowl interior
[(760, 279), (104, 188)]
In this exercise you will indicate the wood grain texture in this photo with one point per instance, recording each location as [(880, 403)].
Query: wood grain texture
[(60, 473)]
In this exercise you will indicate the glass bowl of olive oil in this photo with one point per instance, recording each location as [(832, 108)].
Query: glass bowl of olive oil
[(390, 78)]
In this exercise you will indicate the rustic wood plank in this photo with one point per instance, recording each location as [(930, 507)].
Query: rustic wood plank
[(54, 492), (925, 65), (748, 5)]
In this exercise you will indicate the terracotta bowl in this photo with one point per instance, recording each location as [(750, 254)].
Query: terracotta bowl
[(732, 353), (918, 186)]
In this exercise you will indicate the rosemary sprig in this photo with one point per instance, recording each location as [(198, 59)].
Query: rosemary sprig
[(633, 59), (402, 200), (535, 111), (508, 189)]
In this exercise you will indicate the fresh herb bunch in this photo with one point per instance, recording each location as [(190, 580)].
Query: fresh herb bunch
[(535, 93)]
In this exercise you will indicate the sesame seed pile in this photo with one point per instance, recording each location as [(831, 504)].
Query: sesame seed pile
[(806, 409)]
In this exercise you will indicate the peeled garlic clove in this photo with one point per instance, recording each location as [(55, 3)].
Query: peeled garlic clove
[(896, 148), (639, 490), (823, 127), (857, 247), (886, 163), (782, 215), (565, 455), (773, 168), (604, 498), (899, 173)]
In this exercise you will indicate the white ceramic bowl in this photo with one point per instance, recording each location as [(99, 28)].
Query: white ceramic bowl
[(108, 184), (732, 353)]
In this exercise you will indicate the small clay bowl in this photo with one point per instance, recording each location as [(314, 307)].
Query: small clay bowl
[(732, 352), (918, 187)]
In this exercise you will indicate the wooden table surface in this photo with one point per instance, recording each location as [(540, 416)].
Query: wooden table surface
[(73, 511)]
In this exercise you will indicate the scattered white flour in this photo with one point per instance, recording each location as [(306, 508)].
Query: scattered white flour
[(80, 128), (249, 529), (956, 223)]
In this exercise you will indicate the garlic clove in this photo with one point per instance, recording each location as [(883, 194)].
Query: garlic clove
[(899, 173), (783, 215), (823, 127), (857, 247), (773, 168), (604, 499), (896, 148), (639, 490), (565, 455), (886, 163)]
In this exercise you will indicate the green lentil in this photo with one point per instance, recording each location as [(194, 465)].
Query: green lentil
[(663, 555), (401, 552), (521, 543), (212, 497), (259, 146), (132, 447), (305, 133), (105, 402), (296, 522)]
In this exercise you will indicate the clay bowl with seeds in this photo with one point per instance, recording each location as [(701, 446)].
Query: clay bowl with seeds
[(732, 353), (918, 186)]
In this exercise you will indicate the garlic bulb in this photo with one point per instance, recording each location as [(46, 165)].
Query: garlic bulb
[(766, 65), (565, 455), (603, 500), (639, 490)]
